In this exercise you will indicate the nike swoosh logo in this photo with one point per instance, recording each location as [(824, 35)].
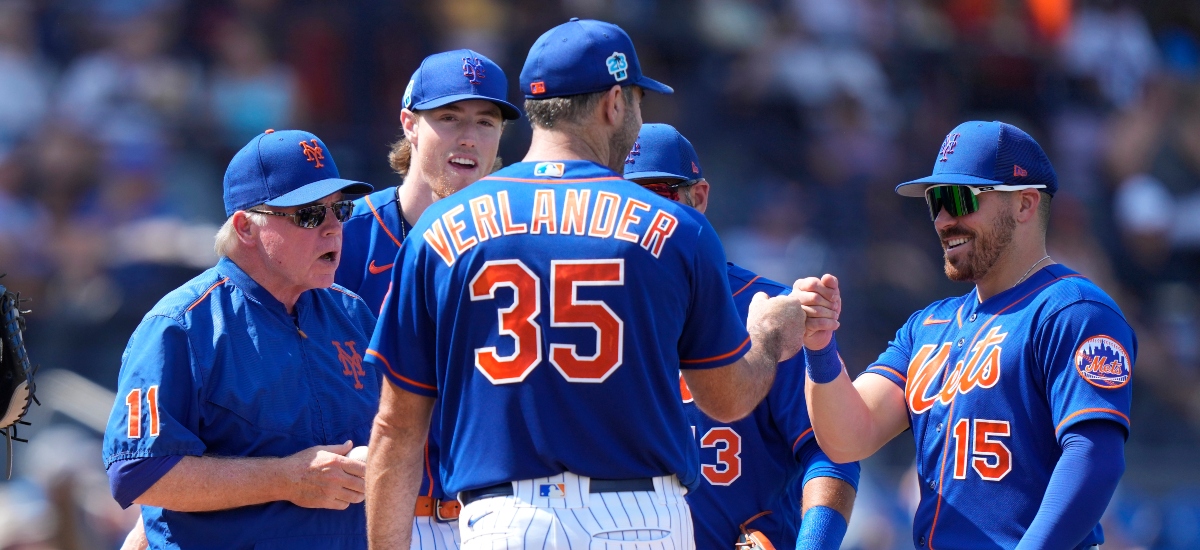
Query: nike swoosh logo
[(376, 270), (931, 321), (471, 522)]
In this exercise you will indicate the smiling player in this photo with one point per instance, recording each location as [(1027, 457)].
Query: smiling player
[(1017, 393)]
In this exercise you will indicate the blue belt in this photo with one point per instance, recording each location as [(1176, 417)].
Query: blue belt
[(596, 486)]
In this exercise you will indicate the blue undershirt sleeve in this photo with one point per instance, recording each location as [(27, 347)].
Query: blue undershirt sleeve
[(128, 479), (817, 464), (822, 527), (1083, 482)]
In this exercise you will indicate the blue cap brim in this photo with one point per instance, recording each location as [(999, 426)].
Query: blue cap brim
[(318, 190), (652, 174), (507, 110), (654, 85), (916, 188)]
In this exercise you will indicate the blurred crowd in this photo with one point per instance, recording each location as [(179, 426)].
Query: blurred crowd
[(117, 118)]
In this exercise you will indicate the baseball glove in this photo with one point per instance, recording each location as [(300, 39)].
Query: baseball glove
[(751, 538), (16, 374)]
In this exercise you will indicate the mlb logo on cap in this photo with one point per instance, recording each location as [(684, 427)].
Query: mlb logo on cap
[(583, 56), (458, 75), (980, 153)]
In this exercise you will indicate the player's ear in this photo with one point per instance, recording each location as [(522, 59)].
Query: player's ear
[(408, 123), (613, 106), (700, 195), (243, 227), (1027, 205)]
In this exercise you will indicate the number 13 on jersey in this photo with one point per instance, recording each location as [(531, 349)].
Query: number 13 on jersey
[(519, 320)]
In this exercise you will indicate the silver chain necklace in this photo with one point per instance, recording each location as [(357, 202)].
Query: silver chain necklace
[(1044, 258)]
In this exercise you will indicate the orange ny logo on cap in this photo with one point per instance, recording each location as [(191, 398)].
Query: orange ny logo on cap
[(313, 152)]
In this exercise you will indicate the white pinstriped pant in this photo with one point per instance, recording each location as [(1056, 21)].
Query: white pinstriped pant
[(431, 534), (577, 519)]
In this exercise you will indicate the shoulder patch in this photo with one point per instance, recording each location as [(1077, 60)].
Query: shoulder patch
[(1103, 362)]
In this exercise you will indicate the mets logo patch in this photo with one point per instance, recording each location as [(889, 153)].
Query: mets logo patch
[(549, 169), (553, 490), (473, 70), (1103, 362)]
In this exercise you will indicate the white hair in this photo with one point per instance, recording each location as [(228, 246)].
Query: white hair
[(226, 239)]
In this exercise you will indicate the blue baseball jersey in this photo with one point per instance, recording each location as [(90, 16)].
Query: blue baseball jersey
[(219, 367), (555, 301), (992, 387), (757, 463), (371, 238)]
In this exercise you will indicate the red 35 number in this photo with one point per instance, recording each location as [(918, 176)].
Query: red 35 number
[(729, 456), (567, 310), (133, 401), (519, 320), (990, 458)]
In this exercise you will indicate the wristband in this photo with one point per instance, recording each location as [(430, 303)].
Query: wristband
[(823, 365), (822, 528)]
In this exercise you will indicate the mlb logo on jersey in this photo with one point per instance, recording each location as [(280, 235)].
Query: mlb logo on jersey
[(549, 169), (553, 490), (1103, 362)]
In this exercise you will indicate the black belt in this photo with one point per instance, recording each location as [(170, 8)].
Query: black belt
[(596, 486)]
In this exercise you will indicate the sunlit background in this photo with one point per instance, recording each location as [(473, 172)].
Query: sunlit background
[(117, 118)]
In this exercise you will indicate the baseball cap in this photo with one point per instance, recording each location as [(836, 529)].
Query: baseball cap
[(284, 168), (980, 153), (583, 56), (458, 75), (662, 152)]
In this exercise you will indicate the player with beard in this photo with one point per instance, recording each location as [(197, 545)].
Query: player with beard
[(549, 308), (454, 112), (1017, 393)]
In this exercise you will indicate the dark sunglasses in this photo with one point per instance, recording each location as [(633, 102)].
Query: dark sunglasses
[(669, 190), (960, 200), (313, 216)]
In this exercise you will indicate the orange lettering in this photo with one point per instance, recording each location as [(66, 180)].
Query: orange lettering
[(628, 218), (604, 214), (661, 229), (436, 237), (510, 228), (543, 212), (574, 218), (921, 370), (456, 228), (483, 211)]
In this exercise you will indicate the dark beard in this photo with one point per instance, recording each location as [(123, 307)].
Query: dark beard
[(986, 250), (622, 141)]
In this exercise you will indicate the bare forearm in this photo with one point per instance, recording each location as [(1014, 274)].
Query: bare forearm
[(829, 492), (207, 483), (849, 425), (731, 392), (394, 467)]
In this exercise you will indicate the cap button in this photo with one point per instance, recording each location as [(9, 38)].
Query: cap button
[(269, 131), (574, 19)]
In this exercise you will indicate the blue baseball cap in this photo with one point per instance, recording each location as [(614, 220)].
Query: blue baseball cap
[(662, 152), (581, 57), (980, 153), (284, 168), (458, 75)]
